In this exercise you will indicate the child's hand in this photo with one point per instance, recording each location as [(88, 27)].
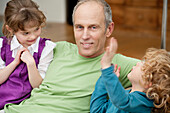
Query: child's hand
[(27, 58), (17, 59), (109, 54), (117, 70)]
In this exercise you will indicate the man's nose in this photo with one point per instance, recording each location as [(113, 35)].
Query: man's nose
[(86, 34)]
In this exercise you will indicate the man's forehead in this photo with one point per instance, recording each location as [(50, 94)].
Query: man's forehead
[(90, 8), (89, 13)]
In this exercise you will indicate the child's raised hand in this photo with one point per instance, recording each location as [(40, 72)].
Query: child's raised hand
[(109, 53)]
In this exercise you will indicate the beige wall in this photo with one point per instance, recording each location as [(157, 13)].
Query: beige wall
[(55, 10)]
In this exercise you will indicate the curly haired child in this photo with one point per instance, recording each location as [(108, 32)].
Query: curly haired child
[(150, 80)]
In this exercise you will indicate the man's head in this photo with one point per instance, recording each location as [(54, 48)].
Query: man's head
[(92, 21)]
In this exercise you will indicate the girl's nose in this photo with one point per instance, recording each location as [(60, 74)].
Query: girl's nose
[(33, 36)]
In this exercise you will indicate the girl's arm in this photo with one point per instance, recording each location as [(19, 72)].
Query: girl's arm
[(36, 75), (33, 74), (46, 58), (6, 71)]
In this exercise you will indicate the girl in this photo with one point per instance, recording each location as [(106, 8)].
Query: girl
[(24, 56), (150, 85)]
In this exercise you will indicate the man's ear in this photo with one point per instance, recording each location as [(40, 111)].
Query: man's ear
[(110, 29), (9, 29)]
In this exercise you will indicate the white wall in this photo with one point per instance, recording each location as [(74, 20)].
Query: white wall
[(55, 10), (2, 6)]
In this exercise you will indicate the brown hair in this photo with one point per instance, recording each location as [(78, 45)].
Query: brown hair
[(19, 14), (156, 70)]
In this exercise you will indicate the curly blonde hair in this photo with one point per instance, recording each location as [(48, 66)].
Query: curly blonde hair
[(156, 70)]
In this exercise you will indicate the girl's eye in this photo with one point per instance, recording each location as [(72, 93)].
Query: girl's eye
[(37, 29), (26, 33)]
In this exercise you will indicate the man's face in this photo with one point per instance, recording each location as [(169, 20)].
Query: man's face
[(89, 29)]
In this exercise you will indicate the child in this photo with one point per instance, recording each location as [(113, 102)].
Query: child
[(150, 85), (24, 56)]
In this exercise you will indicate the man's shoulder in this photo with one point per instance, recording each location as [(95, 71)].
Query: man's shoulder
[(65, 44), (64, 47)]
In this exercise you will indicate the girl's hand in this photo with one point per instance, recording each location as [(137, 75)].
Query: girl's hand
[(17, 59), (27, 58), (109, 54)]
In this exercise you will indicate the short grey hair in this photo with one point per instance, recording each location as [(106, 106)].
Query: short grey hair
[(106, 7)]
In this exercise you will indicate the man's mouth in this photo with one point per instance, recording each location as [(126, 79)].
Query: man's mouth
[(86, 45)]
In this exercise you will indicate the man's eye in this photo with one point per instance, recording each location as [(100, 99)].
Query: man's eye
[(93, 27), (79, 27)]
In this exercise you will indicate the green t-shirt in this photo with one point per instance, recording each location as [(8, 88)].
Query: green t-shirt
[(69, 82)]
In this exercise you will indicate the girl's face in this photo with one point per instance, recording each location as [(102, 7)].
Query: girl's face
[(135, 76), (29, 36)]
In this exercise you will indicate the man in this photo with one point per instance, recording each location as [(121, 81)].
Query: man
[(71, 77)]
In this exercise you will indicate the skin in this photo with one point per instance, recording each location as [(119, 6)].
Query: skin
[(135, 76), (26, 38), (89, 29), (108, 56), (29, 36)]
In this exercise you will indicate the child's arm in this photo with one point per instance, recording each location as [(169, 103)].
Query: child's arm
[(6, 71), (120, 98), (33, 74), (99, 102), (37, 74)]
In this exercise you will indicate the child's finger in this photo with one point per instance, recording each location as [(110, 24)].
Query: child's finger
[(118, 71), (115, 67)]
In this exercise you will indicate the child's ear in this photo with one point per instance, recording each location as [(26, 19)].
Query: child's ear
[(9, 29), (148, 85)]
